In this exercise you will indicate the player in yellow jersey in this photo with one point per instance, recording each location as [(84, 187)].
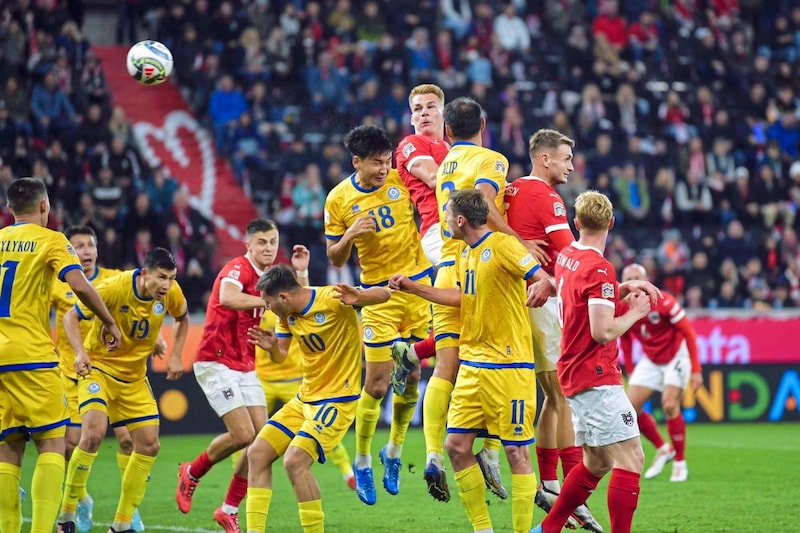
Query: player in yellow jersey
[(31, 392), (84, 241), (322, 323), (115, 388), (495, 390), (468, 165), (372, 212), (281, 382)]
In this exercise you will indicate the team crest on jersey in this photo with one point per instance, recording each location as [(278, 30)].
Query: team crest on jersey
[(654, 317), (94, 387), (559, 209), (394, 193), (71, 250), (234, 274), (70, 294), (408, 149), (158, 308), (627, 417), (608, 290), (355, 209), (319, 318), (499, 166), (486, 255), (368, 333), (290, 321), (124, 309)]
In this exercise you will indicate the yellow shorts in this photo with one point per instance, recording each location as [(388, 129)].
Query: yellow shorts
[(32, 404), (280, 392), (127, 404), (494, 401), (316, 428), (71, 393), (446, 318), (404, 317)]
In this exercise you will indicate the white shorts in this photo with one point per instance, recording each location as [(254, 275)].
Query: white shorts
[(432, 244), (602, 416), (546, 335), (227, 389), (654, 377)]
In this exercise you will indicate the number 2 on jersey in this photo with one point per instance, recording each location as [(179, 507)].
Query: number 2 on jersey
[(10, 268), (384, 219)]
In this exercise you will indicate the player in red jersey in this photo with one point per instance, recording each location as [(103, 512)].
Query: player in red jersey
[(536, 212), (224, 365), (417, 159), (604, 420), (669, 365)]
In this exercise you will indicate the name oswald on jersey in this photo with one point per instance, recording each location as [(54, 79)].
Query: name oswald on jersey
[(567, 262)]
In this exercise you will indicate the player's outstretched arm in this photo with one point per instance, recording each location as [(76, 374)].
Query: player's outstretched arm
[(87, 294), (349, 295), (605, 327), (301, 257), (541, 289), (175, 361), (232, 297), (450, 296), (72, 326)]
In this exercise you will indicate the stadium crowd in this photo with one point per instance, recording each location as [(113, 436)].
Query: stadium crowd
[(685, 114)]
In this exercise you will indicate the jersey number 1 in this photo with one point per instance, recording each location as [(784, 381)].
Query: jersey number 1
[(384, 219), (6, 286)]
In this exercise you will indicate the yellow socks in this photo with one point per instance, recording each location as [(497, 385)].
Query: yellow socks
[(311, 517), (341, 459), (46, 490), (492, 445), (257, 508), (473, 496), (367, 413), (122, 463), (434, 411), (10, 519), (523, 492), (134, 484), (402, 413), (80, 465)]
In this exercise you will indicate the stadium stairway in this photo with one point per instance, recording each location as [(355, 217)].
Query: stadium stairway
[(169, 134)]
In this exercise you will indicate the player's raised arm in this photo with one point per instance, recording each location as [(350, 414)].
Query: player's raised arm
[(87, 294), (339, 250), (350, 295), (232, 297), (277, 347), (301, 257)]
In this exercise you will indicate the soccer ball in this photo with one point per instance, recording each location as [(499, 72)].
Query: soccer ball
[(149, 62)]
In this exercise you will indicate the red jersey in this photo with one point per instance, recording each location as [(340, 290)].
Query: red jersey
[(410, 150), (661, 333), (536, 211), (224, 337), (583, 278)]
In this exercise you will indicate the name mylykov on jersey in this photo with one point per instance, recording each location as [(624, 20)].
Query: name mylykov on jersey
[(568, 263), (18, 246)]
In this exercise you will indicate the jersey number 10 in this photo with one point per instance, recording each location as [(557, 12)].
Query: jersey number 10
[(5, 288)]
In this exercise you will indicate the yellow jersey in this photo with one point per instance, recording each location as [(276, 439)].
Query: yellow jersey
[(466, 166), (31, 257), (492, 273), (290, 369), (63, 299), (395, 248), (329, 337), (139, 319)]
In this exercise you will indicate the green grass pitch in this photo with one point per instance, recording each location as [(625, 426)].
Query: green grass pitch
[(742, 478)]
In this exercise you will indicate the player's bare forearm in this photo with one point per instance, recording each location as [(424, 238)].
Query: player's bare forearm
[(175, 362), (339, 251), (635, 285), (372, 296), (425, 171), (450, 296), (88, 295), (232, 297), (280, 351), (72, 327), (608, 328)]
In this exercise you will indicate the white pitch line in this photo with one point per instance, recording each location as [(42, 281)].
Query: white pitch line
[(180, 529)]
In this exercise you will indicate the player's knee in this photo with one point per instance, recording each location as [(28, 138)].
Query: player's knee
[(671, 407), (519, 458), (90, 440), (257, 455), (243, 437), (413, 377), (377, 387), (457, 447), (294, 467), (125, 445), (149, 447)]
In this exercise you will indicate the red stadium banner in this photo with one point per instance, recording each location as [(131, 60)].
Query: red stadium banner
[(744, 341)]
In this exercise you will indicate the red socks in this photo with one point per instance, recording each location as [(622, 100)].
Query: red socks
[(237, 490), (677, 433), (648, 428), (200, 466), (548, 463), (623, 496), (425, 349), (570, 457), (576, 490)]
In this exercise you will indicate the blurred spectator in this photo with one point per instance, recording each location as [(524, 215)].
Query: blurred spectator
[(693, 202), (52, 111), (141, 215), (225, 106), (510, 30)]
